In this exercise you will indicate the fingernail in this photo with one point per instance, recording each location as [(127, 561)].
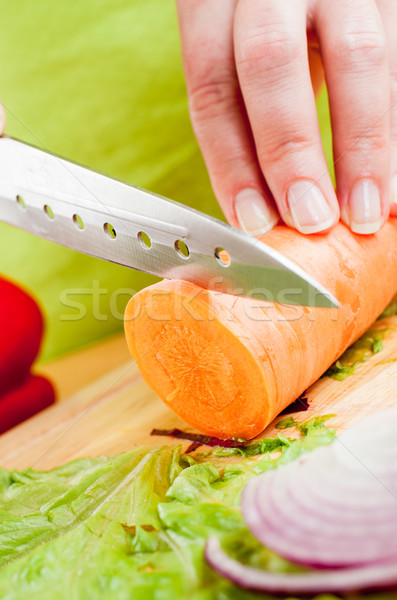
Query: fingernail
[(255, 216), (365, 210), (393, 190), (309, 209)]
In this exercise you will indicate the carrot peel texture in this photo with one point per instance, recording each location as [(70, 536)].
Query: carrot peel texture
[(228, 365)]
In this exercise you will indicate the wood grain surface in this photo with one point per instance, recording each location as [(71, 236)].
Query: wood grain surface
[(105, 407)]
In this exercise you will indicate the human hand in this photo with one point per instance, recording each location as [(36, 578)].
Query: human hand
[(251, 67)]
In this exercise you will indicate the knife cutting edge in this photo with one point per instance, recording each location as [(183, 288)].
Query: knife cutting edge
[(92, 213)]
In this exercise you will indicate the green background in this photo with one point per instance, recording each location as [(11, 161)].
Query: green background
[(101, 83)]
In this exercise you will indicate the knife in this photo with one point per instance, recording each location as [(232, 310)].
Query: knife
[(92, 213)]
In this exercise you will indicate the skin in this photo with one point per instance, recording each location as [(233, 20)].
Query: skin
[(251, 69)]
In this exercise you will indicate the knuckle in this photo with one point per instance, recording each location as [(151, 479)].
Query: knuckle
[(268, 51), (211, 96), (284, 147), (355, 48), (369, 142)]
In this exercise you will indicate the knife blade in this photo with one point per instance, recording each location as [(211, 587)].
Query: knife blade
[(79, 208)]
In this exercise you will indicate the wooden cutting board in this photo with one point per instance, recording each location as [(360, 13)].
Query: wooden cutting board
[(105, 407)]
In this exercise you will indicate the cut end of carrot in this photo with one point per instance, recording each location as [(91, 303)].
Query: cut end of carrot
[(199, 368), (229, 365)]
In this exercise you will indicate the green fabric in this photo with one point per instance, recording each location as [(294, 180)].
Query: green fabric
[(101, 83)]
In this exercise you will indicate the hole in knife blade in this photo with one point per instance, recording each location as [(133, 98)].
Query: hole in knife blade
[(223, 257), (49, 212), (78, 221), (110, 231), (21, 201), (144, 239), (182, 249)]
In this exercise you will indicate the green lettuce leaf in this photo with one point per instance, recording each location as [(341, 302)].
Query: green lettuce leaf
[(133, 526)]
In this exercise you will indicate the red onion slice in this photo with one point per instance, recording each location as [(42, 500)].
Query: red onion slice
[(252, 517), (326, 499), (311, 539), (335, 507), (328, 481), (326, 517), (383, 576)]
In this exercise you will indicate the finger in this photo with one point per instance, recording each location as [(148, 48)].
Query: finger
[(218, 114), (388, 11), (273, 69), (356, 69)]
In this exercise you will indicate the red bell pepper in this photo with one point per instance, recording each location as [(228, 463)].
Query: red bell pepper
[(30, 397), (21, 331)]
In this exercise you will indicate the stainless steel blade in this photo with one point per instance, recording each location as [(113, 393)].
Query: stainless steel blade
[(79, 208)]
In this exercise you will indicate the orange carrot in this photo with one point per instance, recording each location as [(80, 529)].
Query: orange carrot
[(229, 365)]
